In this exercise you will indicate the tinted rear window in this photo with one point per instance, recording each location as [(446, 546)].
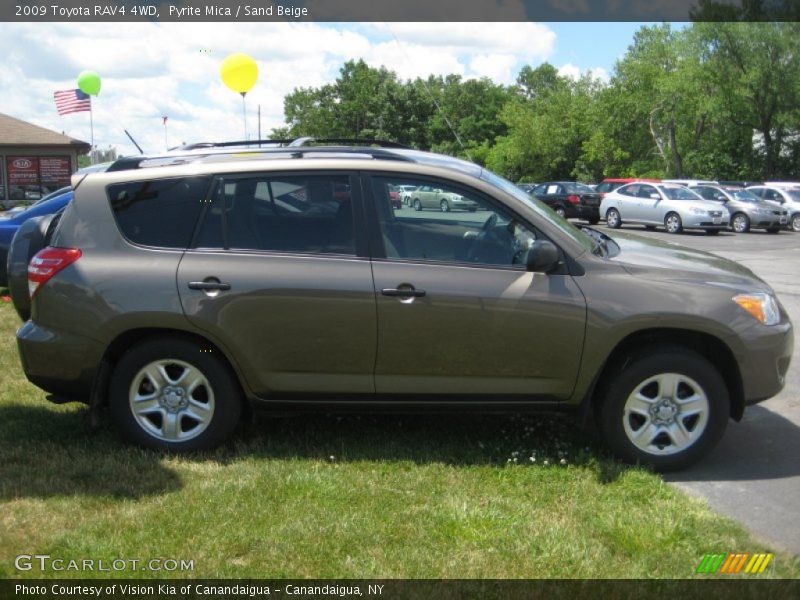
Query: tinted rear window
[(161, 212)]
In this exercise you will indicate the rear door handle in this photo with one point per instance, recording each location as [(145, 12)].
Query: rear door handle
[(403, 292), (209, 285)]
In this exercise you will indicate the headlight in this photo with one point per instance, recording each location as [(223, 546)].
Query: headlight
[(760, 306), (764, 211), (698, 211)]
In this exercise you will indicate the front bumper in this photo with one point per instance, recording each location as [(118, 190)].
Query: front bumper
[(693, 221), (59, 362), (764, 359)]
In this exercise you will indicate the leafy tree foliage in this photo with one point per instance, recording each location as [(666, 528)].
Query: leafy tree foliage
[(705, 100)]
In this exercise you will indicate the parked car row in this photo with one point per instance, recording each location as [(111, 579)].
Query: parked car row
[(678, 204)]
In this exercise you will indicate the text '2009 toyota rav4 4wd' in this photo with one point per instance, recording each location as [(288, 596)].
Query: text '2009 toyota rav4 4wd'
[(177, 288)]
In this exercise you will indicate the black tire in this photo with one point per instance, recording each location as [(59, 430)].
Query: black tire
[(444, 206), (613, 218), (417, 204), (224, 395), (794, 224), (33, 235), (561, 211), (774, 230), (652, 361), (594, 220), (673, 223)]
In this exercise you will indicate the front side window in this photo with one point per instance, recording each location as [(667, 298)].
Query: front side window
[(471, 229), (679, 193), (161, 212), (284, 213)]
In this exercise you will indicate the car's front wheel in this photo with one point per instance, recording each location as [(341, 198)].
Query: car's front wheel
[(796, 222), (174, 394), (673, 223), (613, 219), (444, 205), (740, 223), (417, 204), (666, 409)]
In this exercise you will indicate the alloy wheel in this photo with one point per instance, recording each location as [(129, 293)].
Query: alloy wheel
[(171, 400), (666, 414)]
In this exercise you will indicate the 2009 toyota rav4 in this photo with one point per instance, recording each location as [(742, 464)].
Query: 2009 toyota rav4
[(178, 291)]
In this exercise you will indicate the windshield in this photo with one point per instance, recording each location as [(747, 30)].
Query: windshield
[(541, 208), (795, 195), (679, 193), (743, 196), (578, 188)]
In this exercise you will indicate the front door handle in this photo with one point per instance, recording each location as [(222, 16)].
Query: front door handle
[(208, 286), (403, 292)]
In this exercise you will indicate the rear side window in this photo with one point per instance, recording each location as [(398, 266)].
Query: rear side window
[(309, 214), (161, 212)]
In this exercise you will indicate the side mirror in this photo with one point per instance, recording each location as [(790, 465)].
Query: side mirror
[(542, 257), (720, 198), (655, 196)]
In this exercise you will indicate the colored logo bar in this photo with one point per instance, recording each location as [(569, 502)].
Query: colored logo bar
[(733, 563)]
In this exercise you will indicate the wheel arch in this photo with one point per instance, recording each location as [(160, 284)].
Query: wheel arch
[(131, 337), (710, 347)]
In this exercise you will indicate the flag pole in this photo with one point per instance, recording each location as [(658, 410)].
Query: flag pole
[(166, 141), (91, 128)]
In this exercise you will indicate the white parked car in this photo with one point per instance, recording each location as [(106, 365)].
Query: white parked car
[(669, 205), (787, 197)]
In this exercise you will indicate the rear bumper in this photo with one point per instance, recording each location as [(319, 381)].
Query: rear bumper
[(61, 363), (582, 211)]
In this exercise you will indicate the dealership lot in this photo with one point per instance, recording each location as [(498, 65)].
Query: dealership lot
[(753, 475)]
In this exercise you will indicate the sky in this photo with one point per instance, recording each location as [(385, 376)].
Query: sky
[(150, 70)]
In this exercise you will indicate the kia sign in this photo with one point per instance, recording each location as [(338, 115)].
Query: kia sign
[(23, 170)]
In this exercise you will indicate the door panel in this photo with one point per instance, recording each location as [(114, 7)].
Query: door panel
[(289, 296), (457, 312), (477, 330)]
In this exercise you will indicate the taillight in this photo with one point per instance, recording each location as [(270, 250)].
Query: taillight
[(573, 199), (47, 263)]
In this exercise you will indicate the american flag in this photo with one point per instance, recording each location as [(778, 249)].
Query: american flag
[(70, 101)]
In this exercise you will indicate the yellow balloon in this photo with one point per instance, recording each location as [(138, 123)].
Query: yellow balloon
[(239, 72)]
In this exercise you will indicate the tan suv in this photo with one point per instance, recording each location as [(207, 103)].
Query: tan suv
[(177, 289)]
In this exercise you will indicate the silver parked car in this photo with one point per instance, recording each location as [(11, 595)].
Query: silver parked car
[(673, 206), (426, 196), (747, 210), (786, 197)]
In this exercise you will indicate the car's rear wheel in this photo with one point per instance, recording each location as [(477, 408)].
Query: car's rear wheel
[(796, 222), (417, 204), (666, 409), (174, 394), (444, 206), (740, 223), (673, 223), (613, 219), (561, 212)]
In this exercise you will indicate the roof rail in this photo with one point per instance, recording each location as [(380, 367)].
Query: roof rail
[(294, 143)]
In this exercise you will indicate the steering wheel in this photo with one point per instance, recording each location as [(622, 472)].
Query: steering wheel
[(490, 222)]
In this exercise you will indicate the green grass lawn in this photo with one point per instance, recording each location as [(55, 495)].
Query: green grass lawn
[(347, 497)]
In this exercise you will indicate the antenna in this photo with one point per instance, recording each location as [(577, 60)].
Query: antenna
[(430, 94), (130, 137)]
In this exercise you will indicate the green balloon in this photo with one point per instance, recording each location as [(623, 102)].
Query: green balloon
[(89, 83)]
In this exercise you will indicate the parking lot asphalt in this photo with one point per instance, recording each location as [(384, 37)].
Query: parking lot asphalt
[(753, 476)]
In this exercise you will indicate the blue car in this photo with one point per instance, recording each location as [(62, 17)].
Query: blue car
[(10, 224)]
